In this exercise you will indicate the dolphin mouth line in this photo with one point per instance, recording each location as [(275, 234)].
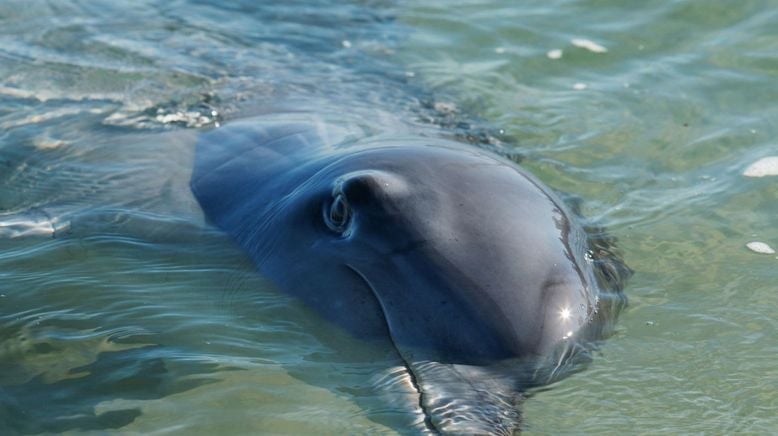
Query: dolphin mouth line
[(428, 423)]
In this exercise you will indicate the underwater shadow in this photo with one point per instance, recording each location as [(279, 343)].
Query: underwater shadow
[(71, 404)]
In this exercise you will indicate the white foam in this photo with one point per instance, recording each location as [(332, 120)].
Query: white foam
[(588, 45), (16, 226), (760, 247), (766, 166)]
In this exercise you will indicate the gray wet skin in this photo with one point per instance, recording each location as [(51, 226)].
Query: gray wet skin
[(457, 254)]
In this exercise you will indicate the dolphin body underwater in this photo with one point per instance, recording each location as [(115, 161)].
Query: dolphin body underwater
[(475, 270)]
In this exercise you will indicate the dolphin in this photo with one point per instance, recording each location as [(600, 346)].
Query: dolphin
[(464, 260)]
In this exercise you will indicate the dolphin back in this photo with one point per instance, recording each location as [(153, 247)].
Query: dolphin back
[(237, 164)]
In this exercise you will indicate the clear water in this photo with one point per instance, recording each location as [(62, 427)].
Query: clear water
[(135, 316)]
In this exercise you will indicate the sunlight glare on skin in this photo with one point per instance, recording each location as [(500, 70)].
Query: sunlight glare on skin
[(564, 315)]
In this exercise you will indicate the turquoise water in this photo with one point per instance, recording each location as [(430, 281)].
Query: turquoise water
[(120, 309)]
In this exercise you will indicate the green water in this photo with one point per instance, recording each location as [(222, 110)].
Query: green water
[(136, 317), (684, 99)]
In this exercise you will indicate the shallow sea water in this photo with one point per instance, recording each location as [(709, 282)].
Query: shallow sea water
[(120, 310)]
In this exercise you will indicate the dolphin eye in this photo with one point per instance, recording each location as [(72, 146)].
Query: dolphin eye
[(339, 214)]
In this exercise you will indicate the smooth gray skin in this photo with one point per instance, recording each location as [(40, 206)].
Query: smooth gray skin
[(457, 254)]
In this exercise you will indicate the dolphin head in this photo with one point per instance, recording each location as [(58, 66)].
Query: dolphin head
[(473, 269), (465, 257)]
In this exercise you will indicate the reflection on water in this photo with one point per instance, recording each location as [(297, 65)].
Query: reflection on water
[(119, 309)]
